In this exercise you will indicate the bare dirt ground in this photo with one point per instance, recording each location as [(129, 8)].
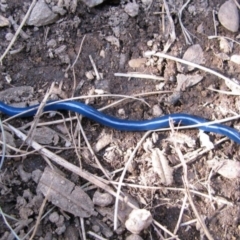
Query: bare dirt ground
[(200, 204)]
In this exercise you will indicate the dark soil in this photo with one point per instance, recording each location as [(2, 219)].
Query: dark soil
[(33, 67)]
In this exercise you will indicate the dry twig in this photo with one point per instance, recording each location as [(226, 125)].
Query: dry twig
[(18, 31), (39, 217), (99, 182), (186, 33), (186, 184)]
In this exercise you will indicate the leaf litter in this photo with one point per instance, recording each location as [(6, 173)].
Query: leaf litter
[(65, 194), (226, 167), (142, 163)]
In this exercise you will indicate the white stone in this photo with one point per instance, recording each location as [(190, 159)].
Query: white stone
[(92, 3), (228, 16)]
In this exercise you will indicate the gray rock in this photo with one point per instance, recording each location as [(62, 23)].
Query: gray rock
[(134, 237), (132, 9), (59, 10), (41, 15), (92, 3), (228, 16)]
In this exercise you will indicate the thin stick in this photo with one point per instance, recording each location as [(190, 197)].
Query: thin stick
[(8, 225), (224, 92), (236, 2), (211, 37), (39, 217), (69, 166), (84, 174), (122, 177), (45, 215), (79, 118), (96, 235), (83, 228), (95, 68), (78, 144), (79, 51), (172, 26), (186, 33), (163, 19), (214, 22), (37, 116), (18, 31), (186, 184), (180, 214), (92, 152), (139, 75), (3, 144), (200, 153), (163, 55), (209, 188), (219, 200), (25, 153), (165, 230)]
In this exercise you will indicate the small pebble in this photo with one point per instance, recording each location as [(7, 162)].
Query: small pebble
[(89, 75), (121, 112), (95, 228), (137, 62), (25, 176), (157, 111), (138, 220), (102, 199), (228, 16), (54, 217), (150, 43), (36, 175), (235, 58), (59, 10), (60, 49), (132, 9), (9, 36), (52, 43), (102, 53)]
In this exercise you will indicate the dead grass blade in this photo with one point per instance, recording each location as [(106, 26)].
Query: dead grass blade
[(8, 225), (99, 182), (186, 33), (163, 55), (3, 144), (122, 177), (79, 51), (18, 31), (92, 152), (139, 75), (96, 235), (37, 115), (186, 184), (39, 216), (230, 39), (83, 228), (172, 26)]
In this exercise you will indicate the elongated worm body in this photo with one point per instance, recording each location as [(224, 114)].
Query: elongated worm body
[(125, 125)]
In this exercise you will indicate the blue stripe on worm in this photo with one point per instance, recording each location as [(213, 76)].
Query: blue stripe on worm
[(125, 125)]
